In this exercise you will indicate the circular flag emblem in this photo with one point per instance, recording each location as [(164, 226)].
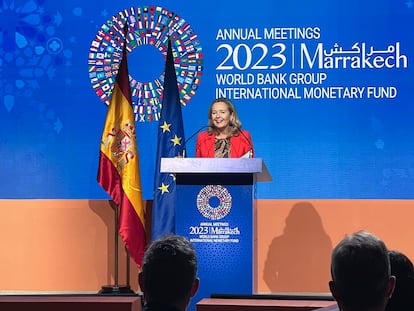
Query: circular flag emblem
[(148, 25), (214, 193)]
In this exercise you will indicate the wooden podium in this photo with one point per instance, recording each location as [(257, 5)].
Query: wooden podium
[(215, 211)]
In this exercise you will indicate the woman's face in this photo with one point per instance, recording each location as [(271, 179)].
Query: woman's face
[(220, 115)]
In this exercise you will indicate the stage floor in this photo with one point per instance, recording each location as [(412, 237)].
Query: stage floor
[(69, 301)]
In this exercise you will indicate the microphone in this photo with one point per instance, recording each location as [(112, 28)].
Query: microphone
[(250, 152), (189, 138)]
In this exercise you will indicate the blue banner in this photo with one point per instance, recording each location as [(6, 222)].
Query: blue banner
[(325, 89)]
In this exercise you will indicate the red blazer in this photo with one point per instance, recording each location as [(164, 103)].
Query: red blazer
[(240, 145)]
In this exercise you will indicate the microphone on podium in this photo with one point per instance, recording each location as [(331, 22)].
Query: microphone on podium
[(248, 154), (192, 135)]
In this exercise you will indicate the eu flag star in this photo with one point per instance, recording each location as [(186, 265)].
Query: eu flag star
[(165, 127), (163, 188), (176, 140)]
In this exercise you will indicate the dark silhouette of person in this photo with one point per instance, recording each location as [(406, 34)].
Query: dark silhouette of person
[(299, 258), (169, 274), (361, 273), (403, 270)]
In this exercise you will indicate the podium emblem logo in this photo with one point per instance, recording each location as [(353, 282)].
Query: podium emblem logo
[(214, 202)]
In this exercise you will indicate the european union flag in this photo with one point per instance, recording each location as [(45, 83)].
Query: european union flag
[(170, 144)]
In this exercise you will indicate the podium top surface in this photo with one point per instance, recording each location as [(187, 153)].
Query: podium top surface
[(254, 166), (211, 165)]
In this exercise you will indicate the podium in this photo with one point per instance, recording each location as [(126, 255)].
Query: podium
[(215, 211)]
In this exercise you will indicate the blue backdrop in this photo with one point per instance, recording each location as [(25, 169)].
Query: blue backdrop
[(324, 87)]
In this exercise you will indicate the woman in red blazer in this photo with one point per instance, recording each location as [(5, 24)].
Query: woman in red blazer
[(224, 137)]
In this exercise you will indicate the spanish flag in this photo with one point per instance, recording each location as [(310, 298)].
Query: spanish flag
[(118, 171)]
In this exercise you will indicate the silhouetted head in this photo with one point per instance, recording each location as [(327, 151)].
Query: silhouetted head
[(361, 274), (403, 270), (169, 272)]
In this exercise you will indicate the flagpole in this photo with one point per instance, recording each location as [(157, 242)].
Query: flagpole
[(117, 289), (128, 267)]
